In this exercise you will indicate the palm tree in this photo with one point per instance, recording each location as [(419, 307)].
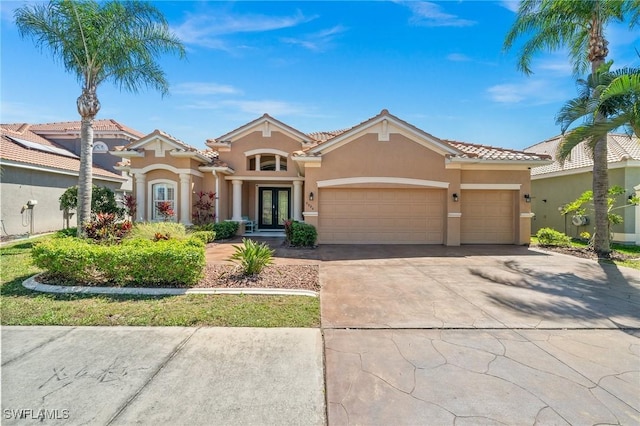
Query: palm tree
[(100, 41), (615, 95), (579, 26)]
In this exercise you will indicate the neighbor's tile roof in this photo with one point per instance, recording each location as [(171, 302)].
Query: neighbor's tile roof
[(320, 137), (105, 125), (485, 152), (621, 147), (12, 151)]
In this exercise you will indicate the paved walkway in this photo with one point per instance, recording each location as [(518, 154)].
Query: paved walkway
[(412, 335)]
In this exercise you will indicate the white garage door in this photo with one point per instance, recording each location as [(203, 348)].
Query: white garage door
[(381, 216), (487, 217)]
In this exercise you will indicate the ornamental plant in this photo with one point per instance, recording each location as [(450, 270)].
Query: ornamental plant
[(165, 210), (204, 208), (252, 256), (130, 206), (105, 228)]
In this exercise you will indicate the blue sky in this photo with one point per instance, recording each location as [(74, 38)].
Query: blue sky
[(322, 66)]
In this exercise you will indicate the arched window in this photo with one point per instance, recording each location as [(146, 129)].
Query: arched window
[(164, 200), (268, 162), (100, 147)]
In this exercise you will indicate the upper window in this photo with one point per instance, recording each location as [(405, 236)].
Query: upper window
[(164, 202), (268, 162), (100, 147)]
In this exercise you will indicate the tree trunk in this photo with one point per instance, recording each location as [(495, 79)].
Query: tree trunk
[(598, 52), (88, 107)]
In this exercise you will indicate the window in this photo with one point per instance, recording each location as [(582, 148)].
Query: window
[(164, 197), (268, 162), (100, 147)]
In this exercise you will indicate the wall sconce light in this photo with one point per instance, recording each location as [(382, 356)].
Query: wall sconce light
[(527, 198), (311, 196), (455, 197)]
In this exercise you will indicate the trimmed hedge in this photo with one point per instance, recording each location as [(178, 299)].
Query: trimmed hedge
[(551, 237), (134, 262), (205, 236), (149, 230), (303, 235), (225, 230)]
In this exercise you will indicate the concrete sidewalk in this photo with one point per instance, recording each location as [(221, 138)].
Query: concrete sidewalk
[(162, 376)]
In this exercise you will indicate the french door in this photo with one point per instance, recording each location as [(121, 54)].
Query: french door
[(274, 207)]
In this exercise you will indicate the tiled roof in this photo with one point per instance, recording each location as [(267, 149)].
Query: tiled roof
[(105, 125), (621, 147), (12, 151), (471, 150), (325, 136), (213, 156)]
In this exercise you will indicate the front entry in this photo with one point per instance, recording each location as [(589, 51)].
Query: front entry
[(274, 207)]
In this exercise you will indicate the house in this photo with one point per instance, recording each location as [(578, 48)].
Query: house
[(381, 181), (556, 184), (40, 161)]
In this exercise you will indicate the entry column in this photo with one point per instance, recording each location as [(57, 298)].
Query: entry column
[(237, 200), (297, 200), (140, 183), (185, 195)]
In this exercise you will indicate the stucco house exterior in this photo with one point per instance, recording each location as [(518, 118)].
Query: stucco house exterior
[(40, 161), (382, 181), (556, 184)]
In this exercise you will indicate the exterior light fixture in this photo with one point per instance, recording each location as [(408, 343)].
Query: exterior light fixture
[(311, 196), (527, 198), (455, 197)]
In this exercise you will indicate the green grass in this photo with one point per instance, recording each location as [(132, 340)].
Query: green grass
[(629, 250), (25, 307)]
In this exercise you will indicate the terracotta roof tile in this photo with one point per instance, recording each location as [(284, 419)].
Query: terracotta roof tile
[(104, 125), (325, 136), (12, 151), (621, 147), (486, 152)]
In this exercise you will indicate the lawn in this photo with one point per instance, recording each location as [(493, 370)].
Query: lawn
[(630, 252), (25, 307)]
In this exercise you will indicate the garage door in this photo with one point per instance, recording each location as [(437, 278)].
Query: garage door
[(381, 216), (487, 217)]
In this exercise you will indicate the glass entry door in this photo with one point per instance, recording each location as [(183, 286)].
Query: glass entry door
[(274, 207)]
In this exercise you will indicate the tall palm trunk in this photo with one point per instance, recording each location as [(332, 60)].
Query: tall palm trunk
[(88, 107), (597, 53)]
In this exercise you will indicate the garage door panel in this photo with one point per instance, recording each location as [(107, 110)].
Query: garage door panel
[(392, 216), (487, 217)]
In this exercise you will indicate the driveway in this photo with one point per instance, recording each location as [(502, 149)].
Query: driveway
[(478, 335)]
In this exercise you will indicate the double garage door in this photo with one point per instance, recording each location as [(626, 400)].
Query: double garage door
[(381, 216), (413, 216)]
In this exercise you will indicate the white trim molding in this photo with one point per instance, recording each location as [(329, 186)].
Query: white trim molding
[(527, 215), (493, 186), (265, 178), (382, 180), (454, 215), (310, 214), (175, 170), (10, 163), (266, 151)]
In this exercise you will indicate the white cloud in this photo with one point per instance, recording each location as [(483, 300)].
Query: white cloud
[(511, 5), (533, 92), (318, 41), (251, 107), (458, 57), (202, 88), (433, 15), (208, 29), (19, 112), (557, 67)]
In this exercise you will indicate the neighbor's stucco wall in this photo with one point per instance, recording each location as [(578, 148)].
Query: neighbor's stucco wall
[(550, 194), (20, 185)]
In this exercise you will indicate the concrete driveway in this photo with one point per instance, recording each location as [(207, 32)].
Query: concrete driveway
[(478, 335)]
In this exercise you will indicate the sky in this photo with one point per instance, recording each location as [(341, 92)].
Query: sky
[(320, 66)]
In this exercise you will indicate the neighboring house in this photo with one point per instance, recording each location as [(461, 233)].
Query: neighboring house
[(39, 162), (556, 184), (381, 181)]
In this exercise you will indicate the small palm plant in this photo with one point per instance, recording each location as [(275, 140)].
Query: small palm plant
[(252, 256)]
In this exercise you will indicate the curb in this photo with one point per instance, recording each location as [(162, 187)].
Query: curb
[(32, 284)]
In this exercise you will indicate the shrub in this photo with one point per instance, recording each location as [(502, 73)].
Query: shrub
[(104, 227), (165, 209), (303, 235), (225, 230), (148, 230), (203, 208), (288, 230), (252, 256), (203, 227), (551, 237), (68, 232), (205, 236), (103, 200), (137, 262)]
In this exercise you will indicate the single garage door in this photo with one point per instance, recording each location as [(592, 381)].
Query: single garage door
[(487, 217), (381, 216)]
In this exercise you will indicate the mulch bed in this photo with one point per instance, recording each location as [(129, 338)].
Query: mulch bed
[(586, 253)]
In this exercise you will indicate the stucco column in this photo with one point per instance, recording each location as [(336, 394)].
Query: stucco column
[(637, 227), (141, 180), (185, 198), (237, 200), (297, 199), (258, 162), (277, 163)]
